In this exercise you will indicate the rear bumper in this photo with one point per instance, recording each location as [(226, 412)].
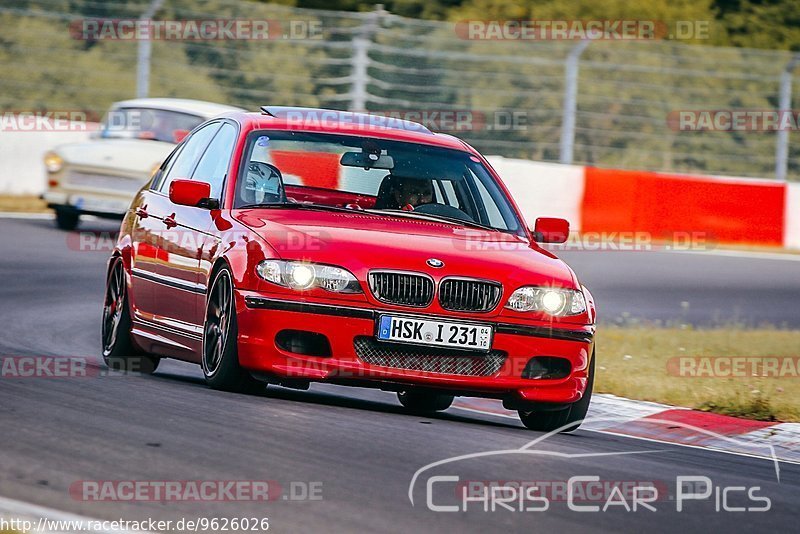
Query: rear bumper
[(261, 318)]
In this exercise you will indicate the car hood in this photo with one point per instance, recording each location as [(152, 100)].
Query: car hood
[(360, 242), (132, 155)]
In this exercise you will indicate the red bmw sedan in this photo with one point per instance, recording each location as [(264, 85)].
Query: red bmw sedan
[(299, 245)]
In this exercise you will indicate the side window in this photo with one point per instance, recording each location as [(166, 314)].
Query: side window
[(449, 194), (164, 169), (490, 206), (465, 199), (184, 162), (213, 165)]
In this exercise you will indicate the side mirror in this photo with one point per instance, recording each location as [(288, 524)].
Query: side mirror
[(551, 230), (192, 193)]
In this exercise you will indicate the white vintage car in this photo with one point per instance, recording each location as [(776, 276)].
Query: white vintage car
[(101, 176)]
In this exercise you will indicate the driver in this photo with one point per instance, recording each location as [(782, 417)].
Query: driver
[(413, 192)]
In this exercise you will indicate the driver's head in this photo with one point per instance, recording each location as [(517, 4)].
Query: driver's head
[(413, 191)]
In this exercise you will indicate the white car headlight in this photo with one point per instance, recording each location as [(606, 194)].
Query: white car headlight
[(53, 162), (550, 300), (335, 279), (302, 275)]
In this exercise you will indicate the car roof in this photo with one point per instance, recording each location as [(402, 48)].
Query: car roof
[(181, 105), (345, 122), (295, 113)]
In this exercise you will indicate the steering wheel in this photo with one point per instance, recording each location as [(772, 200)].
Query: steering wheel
[(444, 210)]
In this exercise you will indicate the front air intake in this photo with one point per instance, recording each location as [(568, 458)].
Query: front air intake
[(401, 288), (469, 295)]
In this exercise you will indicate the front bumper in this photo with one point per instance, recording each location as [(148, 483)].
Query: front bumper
[(105, 191), (261, 318), (94, 203)]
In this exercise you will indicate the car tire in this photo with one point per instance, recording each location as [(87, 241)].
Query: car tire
[(564, 420), (119, 352), (220, 356), (424, 402), (67, 218)]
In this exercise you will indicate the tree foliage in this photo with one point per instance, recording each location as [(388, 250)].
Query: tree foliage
[(770, 24)]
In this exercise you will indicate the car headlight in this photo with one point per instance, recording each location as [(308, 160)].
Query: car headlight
[(550, 300), (302, 275), (53, 162)]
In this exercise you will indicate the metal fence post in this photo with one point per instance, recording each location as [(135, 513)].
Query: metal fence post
[(360, 76), (784, 105), (358, 93), (143, 53), (567, 146)]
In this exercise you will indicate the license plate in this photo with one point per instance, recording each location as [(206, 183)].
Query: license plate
[(99, 205), (114, 184), (437, 333)]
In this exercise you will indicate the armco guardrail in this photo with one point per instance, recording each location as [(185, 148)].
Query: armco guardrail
[(662, 206), (22, 154), (614, 103), (602, 201)]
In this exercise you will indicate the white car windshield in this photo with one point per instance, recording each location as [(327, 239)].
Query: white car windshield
[(148, 123)]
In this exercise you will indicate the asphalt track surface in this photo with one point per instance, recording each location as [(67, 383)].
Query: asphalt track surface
[(357, 443)]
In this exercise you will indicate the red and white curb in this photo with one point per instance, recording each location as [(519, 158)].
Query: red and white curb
[(669, 424)]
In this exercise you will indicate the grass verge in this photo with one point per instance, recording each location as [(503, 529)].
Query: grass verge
[(22, 203), (645, 363)]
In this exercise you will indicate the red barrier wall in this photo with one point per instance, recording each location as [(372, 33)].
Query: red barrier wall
[(315, 169), (728, 211)]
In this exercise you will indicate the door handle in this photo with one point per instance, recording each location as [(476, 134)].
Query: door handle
[(142, 212), (170, 221)]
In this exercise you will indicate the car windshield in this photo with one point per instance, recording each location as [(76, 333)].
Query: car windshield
[(375, 175), (148, 123)]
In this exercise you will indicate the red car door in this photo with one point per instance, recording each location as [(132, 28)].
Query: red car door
[(213, 169), (144, 257), (146, 251), (179, 232)]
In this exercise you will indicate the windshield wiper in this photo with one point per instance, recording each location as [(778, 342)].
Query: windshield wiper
[(411, 214), (442, 218), (296, 205)]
